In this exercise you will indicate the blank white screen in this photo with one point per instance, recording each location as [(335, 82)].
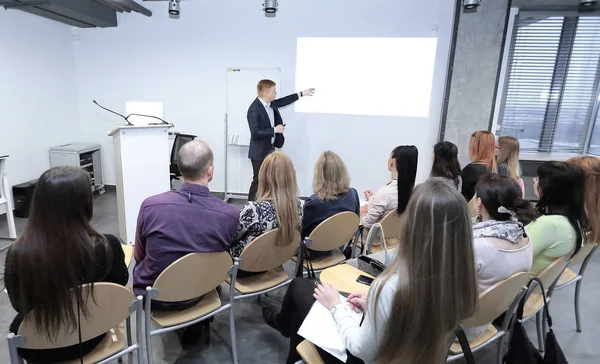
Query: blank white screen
[(366, 76)]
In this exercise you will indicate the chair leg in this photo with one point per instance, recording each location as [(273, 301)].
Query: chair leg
[(577, 316), (128, 330), (538, 326), (233, 338)]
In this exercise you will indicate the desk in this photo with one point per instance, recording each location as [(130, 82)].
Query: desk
[(5, 198), (343, 277)]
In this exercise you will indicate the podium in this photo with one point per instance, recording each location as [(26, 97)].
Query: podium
[(141, 170)]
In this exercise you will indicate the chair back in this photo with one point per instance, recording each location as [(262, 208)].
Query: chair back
[(180, 140), (497, 299), (391, 225), (586, 250), (551, 274), (108, 306), (263, 253), (192, 276), (334, 232)]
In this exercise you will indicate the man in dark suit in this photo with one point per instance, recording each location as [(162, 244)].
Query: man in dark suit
[(266, 126)]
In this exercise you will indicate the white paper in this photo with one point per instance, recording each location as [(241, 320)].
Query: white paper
[(320, 328)]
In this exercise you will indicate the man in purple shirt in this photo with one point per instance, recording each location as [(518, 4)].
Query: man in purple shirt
[(176, 223)]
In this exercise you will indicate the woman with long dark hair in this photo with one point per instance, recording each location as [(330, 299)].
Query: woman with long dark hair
[(58, 251), (402, 165), (560, 230), (446, 167), (413, 306)]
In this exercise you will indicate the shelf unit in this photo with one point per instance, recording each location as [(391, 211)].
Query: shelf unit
[(86, 156)]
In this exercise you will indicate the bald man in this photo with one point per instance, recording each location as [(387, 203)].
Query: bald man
[(175, 223)]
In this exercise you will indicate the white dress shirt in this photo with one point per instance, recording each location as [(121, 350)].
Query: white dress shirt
[(271, 114)]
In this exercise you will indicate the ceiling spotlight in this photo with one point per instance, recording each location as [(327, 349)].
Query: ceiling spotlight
[(174, 8), (270, 6), (587, 3), (471, 4)]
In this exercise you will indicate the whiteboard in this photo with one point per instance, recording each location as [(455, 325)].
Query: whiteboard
[(241, 92)]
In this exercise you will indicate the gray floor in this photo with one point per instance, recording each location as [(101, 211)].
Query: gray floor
[(258, 343)]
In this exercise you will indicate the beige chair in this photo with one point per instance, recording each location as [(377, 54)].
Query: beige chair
[(329, 235), (502, 297), (128, 250), (569, 276), (265, 256), (308, 352), (110, 307), (388, 231), (189, 277), (535, 300)]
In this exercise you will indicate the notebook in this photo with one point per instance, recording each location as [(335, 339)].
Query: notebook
[(320, 328)]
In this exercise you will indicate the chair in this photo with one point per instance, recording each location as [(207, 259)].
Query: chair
[(128, 251), (194, 275), (264, 255), (6, 200), (111, 306), (308, 352), (569, 277), (329, 235), (502, 297), (180, 140), (535, 300), (389, 234)]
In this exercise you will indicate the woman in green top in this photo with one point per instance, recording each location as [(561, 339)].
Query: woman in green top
[(559, 230)]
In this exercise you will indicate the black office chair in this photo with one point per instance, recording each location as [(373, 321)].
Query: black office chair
[(180, 140)]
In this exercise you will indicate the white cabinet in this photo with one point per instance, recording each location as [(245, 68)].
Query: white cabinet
[(86, 156)]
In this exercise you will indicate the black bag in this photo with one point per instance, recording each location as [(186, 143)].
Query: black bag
[(464, 344), (369, 265), (521, 349), (305, 257)]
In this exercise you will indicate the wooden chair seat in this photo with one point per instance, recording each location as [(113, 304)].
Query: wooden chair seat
[(128, 250), (533, 304), (262, 281), (567, 277), (489, 333), (309, 353), (209, 303), (113, 342), (335, 258)]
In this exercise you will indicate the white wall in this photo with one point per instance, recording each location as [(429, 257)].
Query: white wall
[(183, 64), (38, 96)]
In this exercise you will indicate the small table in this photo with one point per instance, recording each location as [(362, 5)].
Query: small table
[(343, 277)]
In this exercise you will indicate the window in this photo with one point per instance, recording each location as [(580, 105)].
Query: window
[(551, 85)]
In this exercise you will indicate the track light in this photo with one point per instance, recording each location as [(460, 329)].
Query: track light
[(270, 6), (174, 8), (587, 3), (471, 4)]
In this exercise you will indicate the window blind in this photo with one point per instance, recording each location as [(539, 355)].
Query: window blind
[(551, 84)]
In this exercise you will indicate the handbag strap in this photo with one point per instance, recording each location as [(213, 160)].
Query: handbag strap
[(79, 329), (464, 344), (309, 265), (524, 300)]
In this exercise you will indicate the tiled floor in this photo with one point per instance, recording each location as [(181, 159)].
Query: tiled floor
[(257, 343)]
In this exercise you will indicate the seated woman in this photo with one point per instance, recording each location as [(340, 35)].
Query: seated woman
[(507, 154), (501, 246), (394, 196), (446, 167), (59, 244), (591, 168), (276, 206), (405, 321), (482, 146), (333, 194), (560, 230)]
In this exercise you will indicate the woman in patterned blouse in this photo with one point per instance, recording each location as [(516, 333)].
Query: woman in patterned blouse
[(276, 206)]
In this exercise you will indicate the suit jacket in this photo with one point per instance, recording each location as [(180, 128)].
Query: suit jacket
[(261, 130)]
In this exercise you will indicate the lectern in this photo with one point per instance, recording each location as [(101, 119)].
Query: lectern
[(141, 170)]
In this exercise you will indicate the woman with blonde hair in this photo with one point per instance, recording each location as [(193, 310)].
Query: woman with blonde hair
[(415, 304), (508, 157), (482, 150), (277, 205), (591, 167), (332, 195)]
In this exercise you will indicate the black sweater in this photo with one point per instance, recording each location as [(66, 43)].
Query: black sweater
[(470, 175)]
